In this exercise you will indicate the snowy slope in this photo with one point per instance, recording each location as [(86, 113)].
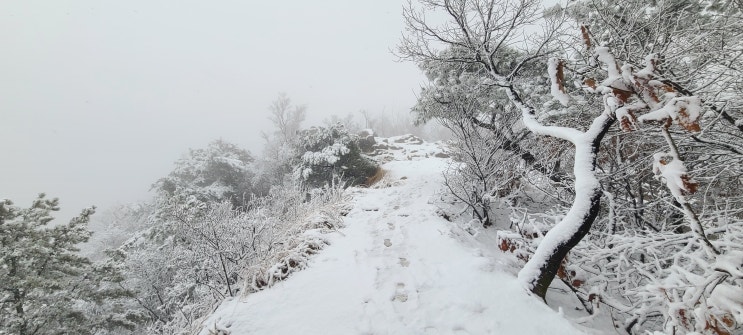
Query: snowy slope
[(397, 268)]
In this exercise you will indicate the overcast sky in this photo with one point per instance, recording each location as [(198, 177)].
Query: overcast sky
[(98, 98)]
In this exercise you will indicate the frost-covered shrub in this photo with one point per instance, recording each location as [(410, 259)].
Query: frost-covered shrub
[(195, 254), (219, 172), (482, 172), (300, 222), (193, 257), (326, 153), (651, 281), (114, 226)]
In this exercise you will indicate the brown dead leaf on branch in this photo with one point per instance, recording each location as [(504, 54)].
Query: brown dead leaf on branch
[(590, 82), (586, 36), (686, 121), (689, 185), (627, 121)]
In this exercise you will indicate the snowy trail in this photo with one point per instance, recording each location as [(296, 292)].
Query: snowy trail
[(397, 268)]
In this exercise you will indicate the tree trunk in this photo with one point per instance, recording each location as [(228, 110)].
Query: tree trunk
[(541, 269), (548, 266)]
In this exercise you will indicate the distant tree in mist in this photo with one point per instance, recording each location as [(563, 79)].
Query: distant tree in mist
[(113, 226), (275, 166), (387, 124), (348, 121), (286, 118)]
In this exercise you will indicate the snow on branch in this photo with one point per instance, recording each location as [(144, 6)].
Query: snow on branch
[(673, 171), (555, 69), (605, 56), (683, 111)]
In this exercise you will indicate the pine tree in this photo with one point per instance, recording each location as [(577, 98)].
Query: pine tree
[(45, 286), (219, 172), (330, 152)]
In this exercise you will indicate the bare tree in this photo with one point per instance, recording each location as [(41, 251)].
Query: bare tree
[(276, 164), (286, 118), (481, 172)]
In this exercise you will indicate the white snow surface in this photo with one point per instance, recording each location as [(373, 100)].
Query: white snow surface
[(396, 268)]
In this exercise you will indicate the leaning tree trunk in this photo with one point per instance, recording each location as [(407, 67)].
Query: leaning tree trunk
[(540, 270)]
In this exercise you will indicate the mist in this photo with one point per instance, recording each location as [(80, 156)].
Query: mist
[(100, 98)]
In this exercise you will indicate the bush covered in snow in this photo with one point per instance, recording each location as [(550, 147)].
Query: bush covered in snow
[(220, 172), (197, 254), (328, 153)]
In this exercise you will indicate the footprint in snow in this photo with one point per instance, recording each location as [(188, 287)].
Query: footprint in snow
[(404, 262), (400, 294), (387, 242)]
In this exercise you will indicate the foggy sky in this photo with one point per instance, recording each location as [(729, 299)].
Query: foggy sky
[(98, 98)]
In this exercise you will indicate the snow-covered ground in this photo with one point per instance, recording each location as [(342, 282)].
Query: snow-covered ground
[(397, 268)]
